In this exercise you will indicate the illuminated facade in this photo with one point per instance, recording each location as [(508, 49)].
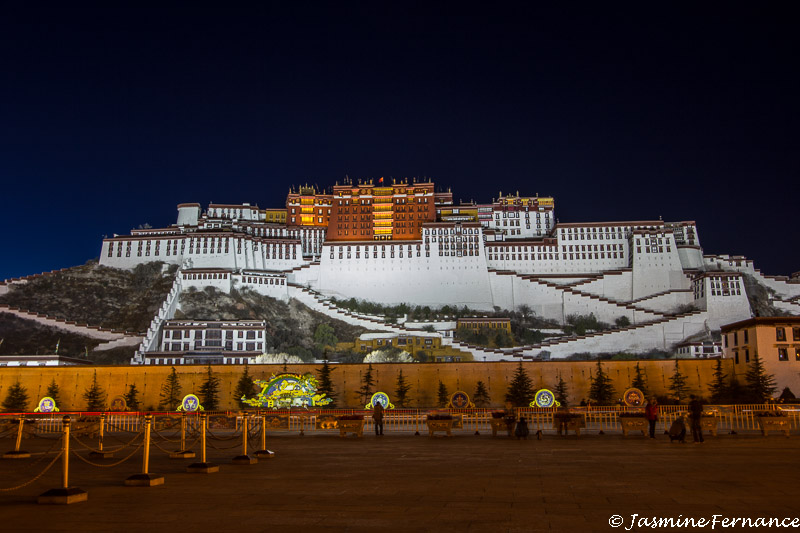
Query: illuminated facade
[(308, 207), (364, 211)]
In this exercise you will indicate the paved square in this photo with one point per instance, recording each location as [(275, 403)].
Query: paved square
[(402, 482)]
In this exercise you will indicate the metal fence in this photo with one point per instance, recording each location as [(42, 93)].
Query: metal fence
[(729, 418)]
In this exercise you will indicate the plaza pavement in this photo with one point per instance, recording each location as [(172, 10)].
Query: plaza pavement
[(402, 482)]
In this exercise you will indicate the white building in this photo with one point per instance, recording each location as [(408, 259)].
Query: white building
[(651, 272)]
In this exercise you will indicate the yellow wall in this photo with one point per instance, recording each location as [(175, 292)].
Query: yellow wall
[(424, 379)]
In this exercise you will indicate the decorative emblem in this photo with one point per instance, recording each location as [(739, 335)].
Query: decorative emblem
[(379, 398), (460, 400), (284, 391), (633, 397), (544, 398), (190, 404), (46, 405), (118, 404)]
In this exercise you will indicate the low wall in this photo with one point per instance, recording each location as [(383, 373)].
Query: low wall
[(423, 378)]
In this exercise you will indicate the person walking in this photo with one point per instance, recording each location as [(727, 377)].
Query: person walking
[(651, 414), (377, 417), (695, 415)]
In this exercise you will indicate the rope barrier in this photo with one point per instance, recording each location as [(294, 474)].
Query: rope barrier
[(42, 455), (40, 474), (234, 436), (107, 450), (88, 462), (190, 446)]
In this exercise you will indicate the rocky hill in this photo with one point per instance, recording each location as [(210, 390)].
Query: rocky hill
[(97, 295), (291, 327)]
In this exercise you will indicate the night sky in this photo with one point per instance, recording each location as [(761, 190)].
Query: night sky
[(110, 117)]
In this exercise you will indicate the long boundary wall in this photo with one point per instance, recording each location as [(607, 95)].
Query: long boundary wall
[(423, 378)]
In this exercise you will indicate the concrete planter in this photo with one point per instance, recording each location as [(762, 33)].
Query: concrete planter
[(350, 426), (501, 424), (774, 423), (633, 423), (709, 423), (439, 425), (564, 425)]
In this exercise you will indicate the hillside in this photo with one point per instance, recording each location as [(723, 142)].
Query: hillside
[(291, 326), (97, 295)]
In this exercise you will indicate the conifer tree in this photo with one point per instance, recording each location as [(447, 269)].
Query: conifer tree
[(481, 398), (170, 396), (677, 384), (560, 391), (760, 385), (601, 392), (520, 391), (326, 384), (209, 391), (245, 388), (639, 381), (132, 398), (718, 388), (735, 393), (367, 381), (16, 399), (54, 391), (95, 396), (442, 396), (401, 392)]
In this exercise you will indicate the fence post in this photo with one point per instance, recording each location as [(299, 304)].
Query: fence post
[(65, 494), (99, 452), (244, 459), (264, 453), (16, 453), (183, 453), (145, 479), (202, 467)]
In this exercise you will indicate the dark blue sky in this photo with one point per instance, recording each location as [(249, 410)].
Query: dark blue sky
[(109, 117)]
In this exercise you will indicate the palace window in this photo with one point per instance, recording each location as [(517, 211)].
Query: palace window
[(783, 354), (780, 334)]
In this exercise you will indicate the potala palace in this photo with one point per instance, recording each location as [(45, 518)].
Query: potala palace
[(405, 242)]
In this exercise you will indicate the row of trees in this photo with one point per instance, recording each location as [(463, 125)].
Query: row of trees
[(759, 387)]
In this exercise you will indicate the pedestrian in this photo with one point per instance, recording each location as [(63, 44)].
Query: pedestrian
[(677, 431), (522, 429), (696, 415), (651, 414), (377, 417)]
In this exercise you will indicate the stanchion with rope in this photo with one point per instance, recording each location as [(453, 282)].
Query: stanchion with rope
[(145, 479), (100, 453), (264, 453), (65, 494), (244, 459), (203, 467), (16, 453), (183, 453)]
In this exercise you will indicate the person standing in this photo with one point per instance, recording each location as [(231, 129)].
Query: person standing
[(377, 417), (651, 414), (696, 414)]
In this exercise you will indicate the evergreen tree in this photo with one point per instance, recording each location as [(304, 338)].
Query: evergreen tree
[(442, 396), (718, 389), (760, 385), (735, 393), (170, 397), (601, 392), (520, 391), (787, 395), (325, 384), (54, 391), (677, 384), (16, 399), (367, 381), (639, 381), (132, 398), (402, 390), (481, 398), (95, 396), (245, 388), (560, 392), (209, 391)]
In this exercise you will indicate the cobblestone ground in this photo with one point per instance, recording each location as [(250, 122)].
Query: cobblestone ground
[(416, 483)]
